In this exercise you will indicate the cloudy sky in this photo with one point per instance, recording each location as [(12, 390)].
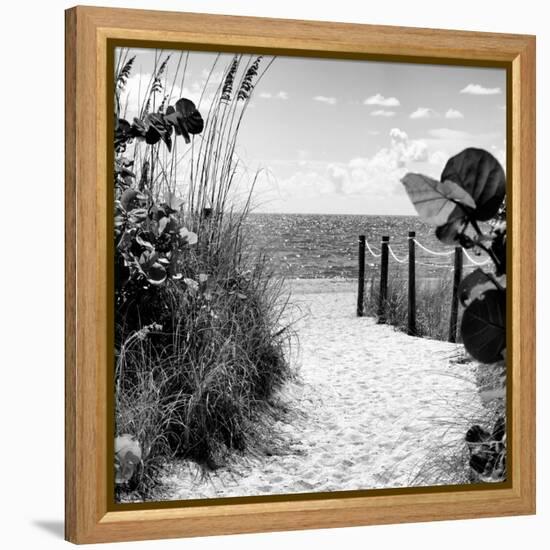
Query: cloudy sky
[(333, 136)]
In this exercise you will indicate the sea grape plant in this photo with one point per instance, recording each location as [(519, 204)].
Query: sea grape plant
[(150, 236), (471, 192), (183, 118)]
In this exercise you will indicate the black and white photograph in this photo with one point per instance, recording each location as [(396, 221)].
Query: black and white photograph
[(309, 275)]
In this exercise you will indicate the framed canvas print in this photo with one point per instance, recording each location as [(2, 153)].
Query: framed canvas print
[(300, 274)]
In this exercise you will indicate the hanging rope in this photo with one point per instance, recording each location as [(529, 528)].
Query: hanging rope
[(473, 261), (433, 252), (371, 250), (401, 261)]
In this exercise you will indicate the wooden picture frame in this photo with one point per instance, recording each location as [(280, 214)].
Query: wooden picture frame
[(90, 32)]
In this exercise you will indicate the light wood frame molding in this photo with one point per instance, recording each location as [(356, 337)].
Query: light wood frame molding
[(89, 517)]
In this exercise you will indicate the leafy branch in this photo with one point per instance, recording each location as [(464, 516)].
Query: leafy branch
[(472, 190)]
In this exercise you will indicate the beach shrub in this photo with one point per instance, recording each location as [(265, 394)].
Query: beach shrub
[(471, 190), (200, 347)]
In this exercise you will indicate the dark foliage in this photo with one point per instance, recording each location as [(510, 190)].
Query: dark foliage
[(473, 189)]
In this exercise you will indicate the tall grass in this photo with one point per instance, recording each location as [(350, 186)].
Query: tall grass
[(448, 459), (198, 360), (433, 305)]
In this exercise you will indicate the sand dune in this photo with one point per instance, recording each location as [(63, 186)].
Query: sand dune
[(375, 407)]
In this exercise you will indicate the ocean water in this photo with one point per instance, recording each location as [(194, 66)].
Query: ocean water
[(319, 246)]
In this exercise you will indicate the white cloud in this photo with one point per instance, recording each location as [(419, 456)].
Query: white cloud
[(324, 99), (447, 133), (444, 143), (339, 177), (383, 112), (379, 174), (308, 184), (375, 178), (397, 134), (423, 112), (478, 89), (453, 113), (405, 150), (379, 99), (279, 95)]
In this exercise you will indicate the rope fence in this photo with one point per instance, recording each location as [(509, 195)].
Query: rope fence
[(386, 251), (372, 251)]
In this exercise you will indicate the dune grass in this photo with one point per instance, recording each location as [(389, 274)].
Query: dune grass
[(197, 360), (433, 305)]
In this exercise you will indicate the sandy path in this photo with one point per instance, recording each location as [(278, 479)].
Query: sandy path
[(377, 407)]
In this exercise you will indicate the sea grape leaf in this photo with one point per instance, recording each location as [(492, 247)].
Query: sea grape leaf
[(137, 215), (156, 274), (172, 225), (126, 240), (123, 132), (127, 457), (480, 174), (130, 198), (450, 232), (121, 168), (473, 285), (483, 326), (172, 201), (482, 461), (185, 118), (163, 222), (153, 271), (499, 429), (476, 434), (437, 202), (158, 212), (498, 247), (147, 259), (189, 236), (158, 128), (138, 128), (146, 239)]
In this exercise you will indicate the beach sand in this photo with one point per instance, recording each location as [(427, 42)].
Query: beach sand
[(374, 408)]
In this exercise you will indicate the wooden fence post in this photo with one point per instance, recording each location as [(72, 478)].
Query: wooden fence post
[(411, 313), (361, 281), (383, 294), (454, 303)]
